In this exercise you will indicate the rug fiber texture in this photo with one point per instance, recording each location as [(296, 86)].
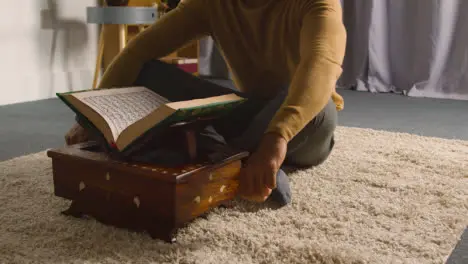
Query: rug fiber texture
[(381, 197)]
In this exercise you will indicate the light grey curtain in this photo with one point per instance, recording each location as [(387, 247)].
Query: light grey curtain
[(417, 47)]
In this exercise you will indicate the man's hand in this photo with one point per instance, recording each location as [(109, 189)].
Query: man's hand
[(258, 178), (77, 134)]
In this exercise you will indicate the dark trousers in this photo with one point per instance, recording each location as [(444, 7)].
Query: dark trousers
[(245, 126)]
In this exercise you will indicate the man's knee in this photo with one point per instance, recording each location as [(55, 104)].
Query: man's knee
[(312, 155), (314, 144), (330, 118)]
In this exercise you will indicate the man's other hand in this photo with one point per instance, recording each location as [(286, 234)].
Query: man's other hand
[(77, 134), (258, 177)]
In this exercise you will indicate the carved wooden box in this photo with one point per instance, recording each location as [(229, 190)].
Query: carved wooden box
[(141, 197)]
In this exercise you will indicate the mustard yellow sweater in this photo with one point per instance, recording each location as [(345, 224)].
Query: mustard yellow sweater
[(267, 44)]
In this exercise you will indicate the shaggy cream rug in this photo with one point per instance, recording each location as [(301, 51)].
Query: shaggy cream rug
[(381, 198)]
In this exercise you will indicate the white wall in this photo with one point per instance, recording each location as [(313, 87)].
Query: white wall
[(44, 50)]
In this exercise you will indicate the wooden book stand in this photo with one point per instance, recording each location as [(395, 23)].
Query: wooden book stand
[(142, 197)]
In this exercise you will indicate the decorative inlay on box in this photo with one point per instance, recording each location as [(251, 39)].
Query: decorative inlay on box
[(141, 197)]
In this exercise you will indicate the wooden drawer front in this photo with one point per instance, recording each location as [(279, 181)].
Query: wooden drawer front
[(72, 177)]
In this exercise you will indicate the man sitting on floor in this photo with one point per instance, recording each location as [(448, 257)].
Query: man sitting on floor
[(285, 56)]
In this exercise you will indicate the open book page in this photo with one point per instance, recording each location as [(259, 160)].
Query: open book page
[(122, 107), (178, 112)]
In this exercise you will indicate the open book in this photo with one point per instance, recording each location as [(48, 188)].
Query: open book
[(123, 115)]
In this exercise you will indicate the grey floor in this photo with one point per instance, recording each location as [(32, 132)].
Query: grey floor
[(31, 127)]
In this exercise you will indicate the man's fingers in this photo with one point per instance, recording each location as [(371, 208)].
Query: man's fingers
[(258, 182), (69, 140), (263, 180), (270, 176), (270, 180), (258, 179), (268, 192), (75, 135), (248, 186)]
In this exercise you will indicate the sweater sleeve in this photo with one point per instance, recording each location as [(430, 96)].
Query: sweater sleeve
[(322, 48), (172, 31)]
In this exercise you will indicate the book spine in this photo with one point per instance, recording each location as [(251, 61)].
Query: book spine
[(189, 67)]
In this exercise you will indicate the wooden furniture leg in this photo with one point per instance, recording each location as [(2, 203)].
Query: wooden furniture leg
[(100, 54), (122, 37), (122, 44)]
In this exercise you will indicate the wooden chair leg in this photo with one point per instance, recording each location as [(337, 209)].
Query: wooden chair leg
[(122, 37), (99, 57)]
